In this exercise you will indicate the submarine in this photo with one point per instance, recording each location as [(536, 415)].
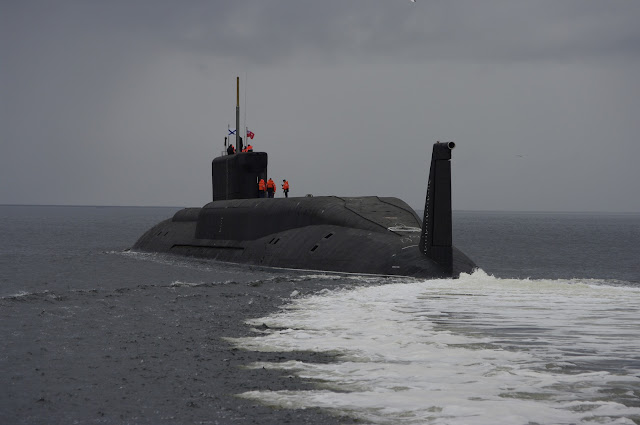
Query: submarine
[(369, 235)]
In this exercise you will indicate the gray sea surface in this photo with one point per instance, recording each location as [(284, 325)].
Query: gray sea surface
[(94, 333)]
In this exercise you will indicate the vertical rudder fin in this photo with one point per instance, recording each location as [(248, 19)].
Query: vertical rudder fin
[(436, 237)]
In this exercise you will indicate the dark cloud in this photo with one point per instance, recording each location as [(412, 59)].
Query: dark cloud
[(378, 30), (259, 32)]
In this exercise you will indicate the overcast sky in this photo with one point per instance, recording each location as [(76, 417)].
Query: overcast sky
[(126, 102)]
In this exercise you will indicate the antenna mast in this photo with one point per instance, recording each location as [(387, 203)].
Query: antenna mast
[(244, 118), (238, 148)]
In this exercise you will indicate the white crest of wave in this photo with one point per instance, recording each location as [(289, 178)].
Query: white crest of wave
[(180, 284), (476, 350), (21, 294)]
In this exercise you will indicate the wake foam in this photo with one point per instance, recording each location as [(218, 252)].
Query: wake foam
[(474, 350)]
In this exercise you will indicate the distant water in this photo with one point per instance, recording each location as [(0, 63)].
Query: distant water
[(552, 245), (546, 332)]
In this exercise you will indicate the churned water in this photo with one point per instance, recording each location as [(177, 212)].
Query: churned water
[(478, 350), (546, 332)]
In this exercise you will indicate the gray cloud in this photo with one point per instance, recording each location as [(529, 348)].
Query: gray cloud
[(259, 32), (276, 30)]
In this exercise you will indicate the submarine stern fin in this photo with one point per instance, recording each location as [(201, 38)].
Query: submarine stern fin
[(436, 237)]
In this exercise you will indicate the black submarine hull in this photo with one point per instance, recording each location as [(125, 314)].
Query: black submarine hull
[(364, 235)]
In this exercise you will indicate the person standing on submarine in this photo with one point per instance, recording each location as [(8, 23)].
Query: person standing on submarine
[(271, 188)]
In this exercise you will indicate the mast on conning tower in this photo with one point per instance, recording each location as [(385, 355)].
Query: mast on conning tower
[(238, 148)]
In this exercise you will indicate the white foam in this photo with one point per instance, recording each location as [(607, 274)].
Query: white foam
[(181, 284), (18, 295), (24, 294), (477, 350)]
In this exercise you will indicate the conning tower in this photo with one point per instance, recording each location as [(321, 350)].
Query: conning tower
[(236, 176)]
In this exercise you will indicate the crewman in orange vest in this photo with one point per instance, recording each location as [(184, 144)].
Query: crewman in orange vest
[(285, 187), (262, 188), (271, 188), (249, 148)]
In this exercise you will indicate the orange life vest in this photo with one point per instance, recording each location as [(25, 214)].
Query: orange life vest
[(285, 185), (271, 185), (261, 187), (249, 148)]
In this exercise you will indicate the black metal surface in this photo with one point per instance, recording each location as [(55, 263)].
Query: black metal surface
[(365, 235), (436, 236), (237, 176)]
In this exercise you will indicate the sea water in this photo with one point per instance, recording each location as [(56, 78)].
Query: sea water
[(545, 332)]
